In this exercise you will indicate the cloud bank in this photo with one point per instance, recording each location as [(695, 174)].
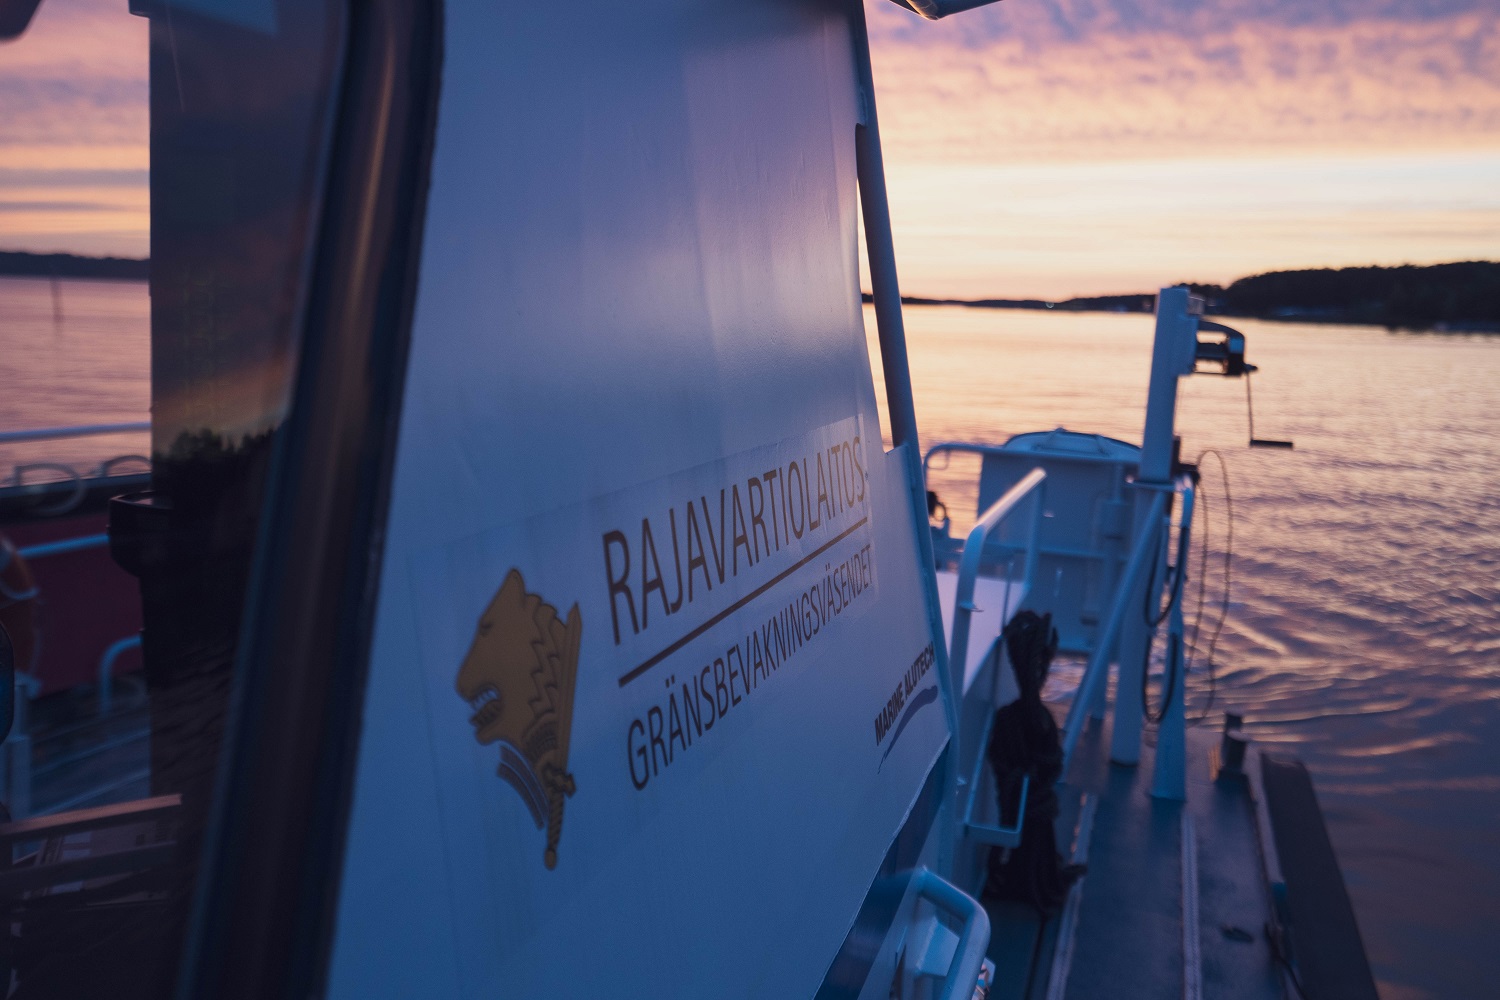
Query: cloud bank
[(1334, 132), (74, 132), (1078, 79)]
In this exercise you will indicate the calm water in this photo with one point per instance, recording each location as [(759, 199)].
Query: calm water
[(80, 357), (1364, 628)]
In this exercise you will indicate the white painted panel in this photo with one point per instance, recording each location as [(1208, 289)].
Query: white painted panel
[(639, 297), (996, 601)]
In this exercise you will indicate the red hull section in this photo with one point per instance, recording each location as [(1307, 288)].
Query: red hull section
[(85, 603)]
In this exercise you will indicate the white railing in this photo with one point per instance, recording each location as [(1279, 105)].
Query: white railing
[(83, 430), (65, 473), (973, 556), (1127, 594), (1031, 486), (1169, 776)]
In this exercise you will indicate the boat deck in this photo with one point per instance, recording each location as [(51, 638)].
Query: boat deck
[(1155, 868)]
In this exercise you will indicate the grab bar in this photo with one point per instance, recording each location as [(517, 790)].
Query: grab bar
[(968, 571), (1125, 591), (84, 430), (973, 940), (63, 546)]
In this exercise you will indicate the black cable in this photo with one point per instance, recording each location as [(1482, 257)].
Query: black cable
[(1174, 583), (1218, 629), (1192, 644), (1152, 621), (1169, 680), (1280, 957)]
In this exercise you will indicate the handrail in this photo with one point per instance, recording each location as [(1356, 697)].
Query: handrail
[(63, 546), (72, 479), (1030, 485), (107, 669), (973, 939), (1000, 450), (1125, 592), (83, 430), (994, 834), (968, 570)]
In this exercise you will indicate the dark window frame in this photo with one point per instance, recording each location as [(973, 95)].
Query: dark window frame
[(267, 899)]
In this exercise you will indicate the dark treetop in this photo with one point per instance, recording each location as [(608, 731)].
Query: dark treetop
[(1463, 296), (18, 264)]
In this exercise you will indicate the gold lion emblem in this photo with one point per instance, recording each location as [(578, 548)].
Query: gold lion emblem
[(519, 677)]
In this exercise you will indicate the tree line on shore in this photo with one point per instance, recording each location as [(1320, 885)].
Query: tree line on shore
[(20, 264), (1458, 296)]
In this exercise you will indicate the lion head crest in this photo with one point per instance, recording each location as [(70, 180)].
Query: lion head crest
[(518, 677)]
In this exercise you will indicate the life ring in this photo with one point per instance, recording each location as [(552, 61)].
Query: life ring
[(18, 604)]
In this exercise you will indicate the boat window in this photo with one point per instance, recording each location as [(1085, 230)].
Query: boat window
[(159, 179)]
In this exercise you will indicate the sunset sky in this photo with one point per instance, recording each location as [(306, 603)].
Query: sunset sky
[(73, 131), (1034, 148)]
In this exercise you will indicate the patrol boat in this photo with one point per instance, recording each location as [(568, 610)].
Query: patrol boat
[(528, 604)]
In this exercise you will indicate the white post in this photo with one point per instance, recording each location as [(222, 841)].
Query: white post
[(1169, 774), (1116, 517), (1171, 358), (17, 749)]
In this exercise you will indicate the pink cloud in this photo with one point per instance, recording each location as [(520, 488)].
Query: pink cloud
[(1033, 87), (74, 135)]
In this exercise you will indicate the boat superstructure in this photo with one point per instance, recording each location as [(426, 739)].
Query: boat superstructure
[(527, 602)]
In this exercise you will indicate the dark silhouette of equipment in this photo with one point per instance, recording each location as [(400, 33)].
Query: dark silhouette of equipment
[(1025, 744), (1229, 355)]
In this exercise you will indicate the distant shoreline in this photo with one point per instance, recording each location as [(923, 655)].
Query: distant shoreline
[(1462, 297), (20, 264), (1287, 316)]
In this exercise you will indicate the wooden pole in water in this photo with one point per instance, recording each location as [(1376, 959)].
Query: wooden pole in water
[(57, 311)]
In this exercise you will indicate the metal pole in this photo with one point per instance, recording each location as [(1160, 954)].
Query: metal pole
[(1172, 357), (886, 295), (18, 752), (1169, 773), (879, 246), (1097, 671)]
